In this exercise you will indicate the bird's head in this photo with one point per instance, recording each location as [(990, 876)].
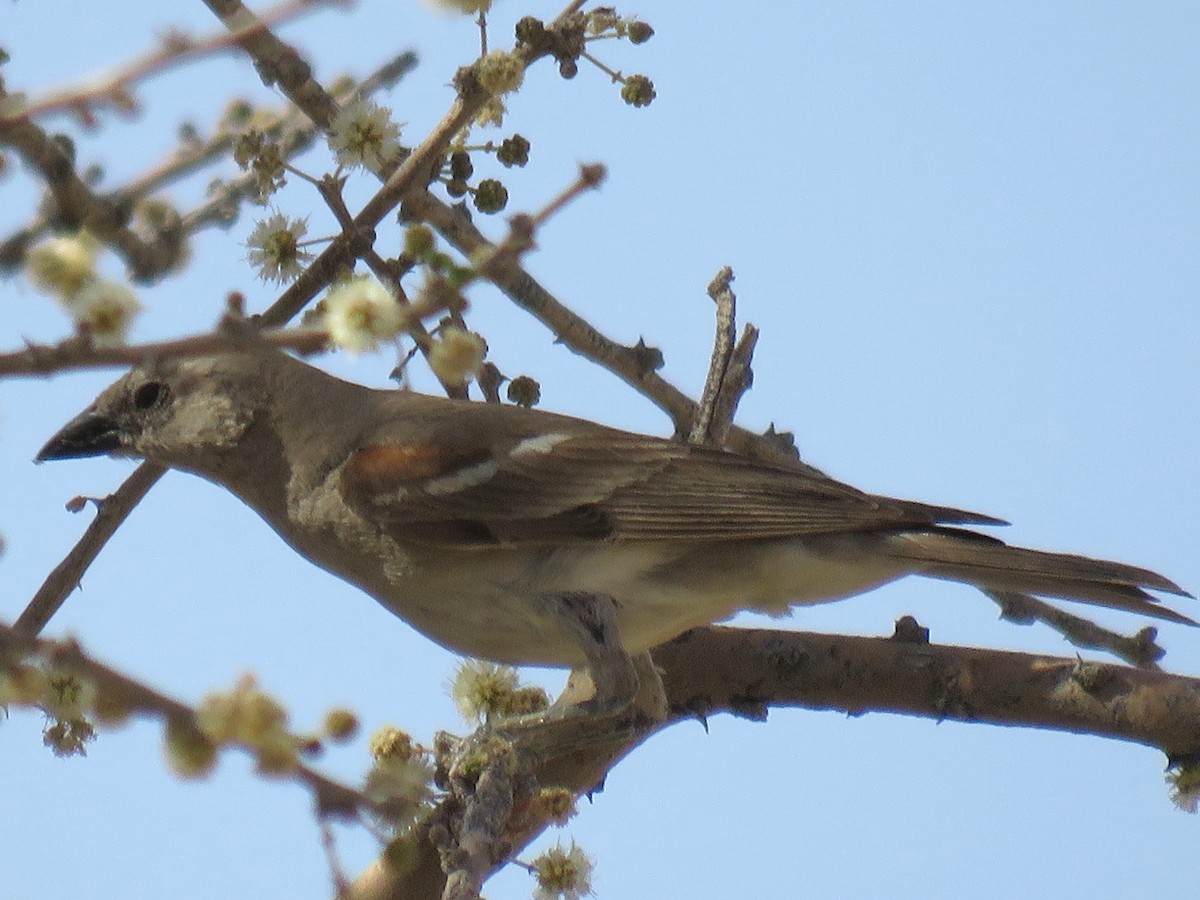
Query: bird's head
[(175, 412)]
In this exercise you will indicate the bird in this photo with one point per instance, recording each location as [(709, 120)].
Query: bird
[(526, 537)]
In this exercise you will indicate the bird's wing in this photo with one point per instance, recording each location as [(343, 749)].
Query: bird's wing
[(493, 478)]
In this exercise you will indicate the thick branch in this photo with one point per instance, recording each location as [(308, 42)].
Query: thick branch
[(748, 671), (745, 671)]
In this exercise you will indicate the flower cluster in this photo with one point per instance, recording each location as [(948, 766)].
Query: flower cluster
[(360, 313), (103, 310), (500, 72), (456, 355), (603, 21), (638, 90), (70, 699), (484, 690), (275, 248), (400, 781), (1184, 781), (363, 134), (561, 873), (263, 158), (249, 717), (555, 803)]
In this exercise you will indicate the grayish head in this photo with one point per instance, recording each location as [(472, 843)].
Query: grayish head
[(171, 411)]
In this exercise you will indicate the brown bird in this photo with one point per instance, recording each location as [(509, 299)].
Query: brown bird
[(487, 527)]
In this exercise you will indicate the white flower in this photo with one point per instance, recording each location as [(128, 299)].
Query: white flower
[(481, 689), (500, 72), (1188, 801), (363, 134), (457, 356), (361, 312), (71, 696), (106, 309), (465, 7), (1185, 787), (250, 717), (400, 788), (491, 113), (245, 714), (274, 248), (563, 874), (63, 265)]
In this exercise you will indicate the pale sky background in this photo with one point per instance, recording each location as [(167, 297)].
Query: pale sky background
[(968, 233)]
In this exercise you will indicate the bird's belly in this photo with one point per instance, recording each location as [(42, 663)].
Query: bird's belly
[(660, 592)]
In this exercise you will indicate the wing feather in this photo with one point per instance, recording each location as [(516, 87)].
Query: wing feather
[(583, 483)]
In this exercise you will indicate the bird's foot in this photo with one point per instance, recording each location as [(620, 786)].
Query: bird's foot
[(615, 696)]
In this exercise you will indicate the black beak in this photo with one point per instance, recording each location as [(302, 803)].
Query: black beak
[(88, 434)]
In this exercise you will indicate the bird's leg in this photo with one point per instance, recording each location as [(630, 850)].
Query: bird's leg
[(616, 693), (591, 620), (649, 703)]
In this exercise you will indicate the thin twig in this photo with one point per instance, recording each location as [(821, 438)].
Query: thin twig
[(78, 353), (176, 49), (739, 376), (1139, 650), (78, 206), (582, 337), (496, 258), (722, 295), (123, 692), (295, 132), (591, 176), (341, 884), (65, 577)]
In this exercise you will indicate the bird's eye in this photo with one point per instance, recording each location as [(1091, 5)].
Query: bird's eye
[(149, 394)]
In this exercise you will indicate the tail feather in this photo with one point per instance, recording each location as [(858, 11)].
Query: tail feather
[(989, 564)]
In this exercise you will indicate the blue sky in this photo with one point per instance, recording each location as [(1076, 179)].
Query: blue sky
[(968, 233)]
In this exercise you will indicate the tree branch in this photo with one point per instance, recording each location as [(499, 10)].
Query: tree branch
[(175, 49), (746, 672), (704, 426), (119, 691), (295, 132), (77, 206), (64, 578), (1140, 650), (79, 353)]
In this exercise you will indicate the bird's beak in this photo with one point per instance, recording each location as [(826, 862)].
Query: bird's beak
[(88, 434)]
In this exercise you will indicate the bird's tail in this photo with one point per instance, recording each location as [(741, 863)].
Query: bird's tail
[(990, 564)]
